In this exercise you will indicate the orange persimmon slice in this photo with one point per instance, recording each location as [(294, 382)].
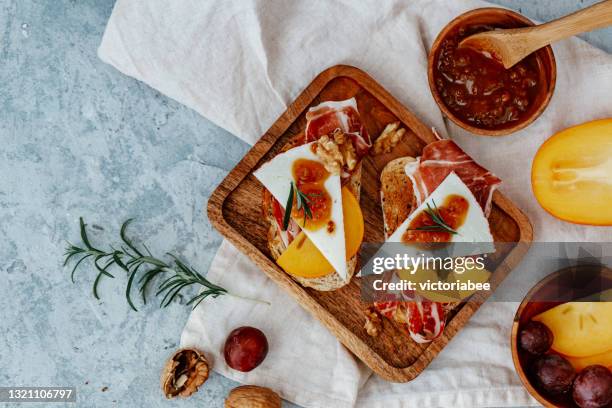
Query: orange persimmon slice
[(571, 174), (302, 258), (580, 329), (580, 363)]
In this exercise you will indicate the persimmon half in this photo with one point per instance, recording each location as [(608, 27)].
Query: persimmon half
[(571, 174)]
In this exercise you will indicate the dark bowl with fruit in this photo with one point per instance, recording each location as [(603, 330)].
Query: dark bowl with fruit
[(562, 338)]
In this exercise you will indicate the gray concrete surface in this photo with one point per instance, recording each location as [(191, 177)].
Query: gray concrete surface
[(78, 138)]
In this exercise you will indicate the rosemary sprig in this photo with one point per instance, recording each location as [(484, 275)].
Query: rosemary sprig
[(302, 201), (133, 260), (439, 223), (288, 208)]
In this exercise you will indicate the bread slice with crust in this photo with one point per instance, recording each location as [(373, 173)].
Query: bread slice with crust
[(276, 245), (396, 194)]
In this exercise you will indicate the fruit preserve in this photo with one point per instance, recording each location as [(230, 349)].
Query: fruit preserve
[(437, 224), (478, 89), (310, 177)]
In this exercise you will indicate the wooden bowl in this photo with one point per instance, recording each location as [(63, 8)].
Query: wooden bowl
[(501, 18), (563, 286)]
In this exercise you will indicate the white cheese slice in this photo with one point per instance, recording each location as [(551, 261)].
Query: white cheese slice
[(475, 228), (277, 175)]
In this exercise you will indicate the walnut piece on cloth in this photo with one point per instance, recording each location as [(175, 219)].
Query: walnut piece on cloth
[(251, 396), (184, 372)]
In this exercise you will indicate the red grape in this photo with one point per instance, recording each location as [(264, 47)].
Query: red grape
[(554, 374), (245, 348), (536, 338), (593, 387)]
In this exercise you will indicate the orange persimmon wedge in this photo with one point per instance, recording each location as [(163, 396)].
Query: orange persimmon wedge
[(571, 174), (580, 329), (302, 258), (580, 363)]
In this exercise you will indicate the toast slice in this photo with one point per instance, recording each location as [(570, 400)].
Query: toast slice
[(277, 246), (396, 194)]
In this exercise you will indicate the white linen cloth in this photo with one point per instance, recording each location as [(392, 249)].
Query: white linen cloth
[(240, 63)]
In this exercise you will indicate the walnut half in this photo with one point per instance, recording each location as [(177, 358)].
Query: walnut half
[(389, 137), (349, 157), (184, 372), (373, 324), (336, 152)]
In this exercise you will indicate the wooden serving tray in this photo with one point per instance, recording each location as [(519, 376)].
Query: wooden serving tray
[(233, 210)]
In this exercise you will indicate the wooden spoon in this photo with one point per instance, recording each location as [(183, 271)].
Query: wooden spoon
[(512, 45)]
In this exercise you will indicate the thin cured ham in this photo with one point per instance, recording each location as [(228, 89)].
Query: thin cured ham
[(426, 320), (423, 319), (326, 117), (438, 160)]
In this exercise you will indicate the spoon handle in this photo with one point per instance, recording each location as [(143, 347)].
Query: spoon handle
[(591, 18)]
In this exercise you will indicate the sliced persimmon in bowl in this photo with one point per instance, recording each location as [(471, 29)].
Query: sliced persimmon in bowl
[(580, 329), (580, 363), (571, 174)]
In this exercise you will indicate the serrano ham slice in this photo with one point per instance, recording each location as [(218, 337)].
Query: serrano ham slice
[(423, 319), (326, 117), (438, 160)]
